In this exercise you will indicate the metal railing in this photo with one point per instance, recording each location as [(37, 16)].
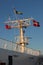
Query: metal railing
[(5, 44)]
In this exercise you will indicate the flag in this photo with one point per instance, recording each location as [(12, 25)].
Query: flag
[(17, 12), (7, 26), (35, 23)]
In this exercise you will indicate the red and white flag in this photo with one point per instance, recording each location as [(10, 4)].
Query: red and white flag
[(7, 26), (35, 23)]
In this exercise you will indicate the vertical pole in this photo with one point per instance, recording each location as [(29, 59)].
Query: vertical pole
[(22, 38)]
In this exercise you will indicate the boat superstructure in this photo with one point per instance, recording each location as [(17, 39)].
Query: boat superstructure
[(17, 53)]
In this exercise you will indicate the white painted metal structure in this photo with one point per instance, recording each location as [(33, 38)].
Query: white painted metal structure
[(19, 53)]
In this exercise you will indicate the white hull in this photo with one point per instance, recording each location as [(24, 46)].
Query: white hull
[(17, 58)]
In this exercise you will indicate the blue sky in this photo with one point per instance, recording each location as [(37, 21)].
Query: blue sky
[(30, 8)]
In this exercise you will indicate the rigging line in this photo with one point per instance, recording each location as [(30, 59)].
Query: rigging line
[(15, 14)]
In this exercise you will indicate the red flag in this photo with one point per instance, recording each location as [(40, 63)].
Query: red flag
[(35, 23), (7, 27)]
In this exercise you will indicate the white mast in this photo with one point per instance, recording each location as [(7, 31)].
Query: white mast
[(21, 24), (22, 38)]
